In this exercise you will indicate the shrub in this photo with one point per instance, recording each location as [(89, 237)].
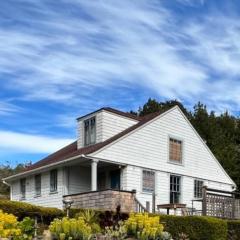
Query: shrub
[(233, 229), (27, 227), (9, 226), (109, 218), (143, 226), (195, 227), (70, 228), (117, 232), (21, 210), (91, 218)]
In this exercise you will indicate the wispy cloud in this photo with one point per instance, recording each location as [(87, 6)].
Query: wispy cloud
[(61, 59), (20, 142), (8, 108), (62, 55)]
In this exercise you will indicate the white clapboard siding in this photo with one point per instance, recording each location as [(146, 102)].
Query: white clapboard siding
[(107, 125), (79, 179), (46, 199), (113, 124), (147, 147)]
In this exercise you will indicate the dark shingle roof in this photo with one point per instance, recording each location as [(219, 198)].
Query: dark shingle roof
[(72, 151), (113, 110)]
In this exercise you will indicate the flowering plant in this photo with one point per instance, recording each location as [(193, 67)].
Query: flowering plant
[(9, 226), (70, 228), (142, 226)]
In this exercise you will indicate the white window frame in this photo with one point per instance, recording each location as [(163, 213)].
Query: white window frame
[(197, 180), (38, 192), (180, 185), (23, 193), (154, 183), (53, 189), (84, 131)]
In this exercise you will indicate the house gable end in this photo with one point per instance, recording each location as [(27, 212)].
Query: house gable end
[(148, 146)]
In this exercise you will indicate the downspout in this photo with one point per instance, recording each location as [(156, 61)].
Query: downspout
[(9, 185), (6, 183)]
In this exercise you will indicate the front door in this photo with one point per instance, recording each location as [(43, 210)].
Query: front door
[(115, 179)]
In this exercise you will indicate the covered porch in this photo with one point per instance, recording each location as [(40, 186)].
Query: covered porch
[(87, 175), (97, 184)]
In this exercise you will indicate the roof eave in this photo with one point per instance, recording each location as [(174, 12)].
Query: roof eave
[(32, 171)]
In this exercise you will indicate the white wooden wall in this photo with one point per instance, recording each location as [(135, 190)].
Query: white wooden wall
[(147, 147), (113, 124), (46, 199), (107, 125), (132, 179), (79, 179)]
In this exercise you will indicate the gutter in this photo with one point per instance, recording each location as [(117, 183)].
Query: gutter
[(43, 167), (4, 180)]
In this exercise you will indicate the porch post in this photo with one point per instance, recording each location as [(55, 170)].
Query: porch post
[(94, 175)]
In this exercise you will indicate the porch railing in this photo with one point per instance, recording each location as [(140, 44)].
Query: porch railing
[(139, 207), (221, 204)]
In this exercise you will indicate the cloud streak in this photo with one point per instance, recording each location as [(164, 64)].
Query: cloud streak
[(62, 55), (27, 143)]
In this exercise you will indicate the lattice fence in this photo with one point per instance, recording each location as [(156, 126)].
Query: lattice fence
[(221, 204)]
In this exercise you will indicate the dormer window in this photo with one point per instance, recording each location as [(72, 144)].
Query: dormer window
[(90, 131)]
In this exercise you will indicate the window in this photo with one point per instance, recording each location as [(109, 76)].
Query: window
[(198, 185), (175, 189), (53, 180), (89, 131), (38, 185), (23, 188), (175, 150), (148, 181)]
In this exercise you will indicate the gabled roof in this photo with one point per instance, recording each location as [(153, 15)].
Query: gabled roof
[(71, 150), (115, 111)]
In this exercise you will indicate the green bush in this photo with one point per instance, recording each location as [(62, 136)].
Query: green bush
[(70, 228), (21, 210), (233, 229), (195, 227)]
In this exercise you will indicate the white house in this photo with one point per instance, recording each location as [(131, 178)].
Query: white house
[(116, 153)]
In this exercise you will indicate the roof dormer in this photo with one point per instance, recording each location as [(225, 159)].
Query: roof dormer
[(102, 124)]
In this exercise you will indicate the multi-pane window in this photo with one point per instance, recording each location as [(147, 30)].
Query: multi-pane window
[(148, 181), (175, 150), (53, 180), (175, 189), (90, 131), (23, 188), (38, 185), (198, 185)]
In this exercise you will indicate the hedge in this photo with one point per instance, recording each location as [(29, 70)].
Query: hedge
[(233, 229), (21, 210), (195, 227)]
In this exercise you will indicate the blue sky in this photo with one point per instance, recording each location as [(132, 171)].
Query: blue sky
[(61, 59)]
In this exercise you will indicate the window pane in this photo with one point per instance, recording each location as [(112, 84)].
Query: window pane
[(175, 150), (175, 190), (198, 188), (38, 184), (53, 180), (23, 187), (89, 131), (148, 181)]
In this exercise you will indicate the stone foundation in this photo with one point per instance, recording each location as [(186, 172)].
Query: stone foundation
[(104, 200)]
